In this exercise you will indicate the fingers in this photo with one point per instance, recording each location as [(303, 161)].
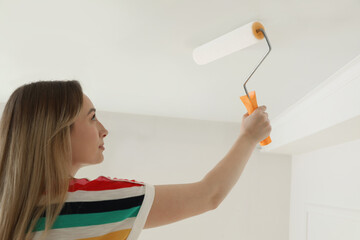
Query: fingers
[(261, 108)]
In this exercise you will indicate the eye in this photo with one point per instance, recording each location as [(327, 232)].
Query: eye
[(93, 116)]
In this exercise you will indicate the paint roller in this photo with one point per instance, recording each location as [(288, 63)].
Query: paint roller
[(233, 41)]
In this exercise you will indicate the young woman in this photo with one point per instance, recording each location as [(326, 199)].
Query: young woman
[(49, 130)]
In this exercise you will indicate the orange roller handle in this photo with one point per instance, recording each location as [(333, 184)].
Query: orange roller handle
[(251, 106)]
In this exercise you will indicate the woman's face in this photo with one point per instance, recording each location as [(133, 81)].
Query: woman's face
[(87, 135)]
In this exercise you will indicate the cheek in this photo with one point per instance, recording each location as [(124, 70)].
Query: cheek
[(89, 138), (85, 143)]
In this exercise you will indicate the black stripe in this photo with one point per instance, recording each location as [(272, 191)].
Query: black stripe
[(100, 206)]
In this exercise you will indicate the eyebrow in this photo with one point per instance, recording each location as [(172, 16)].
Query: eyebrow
[(91, 109)]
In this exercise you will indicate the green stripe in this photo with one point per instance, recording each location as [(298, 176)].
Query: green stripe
[(88, 219)]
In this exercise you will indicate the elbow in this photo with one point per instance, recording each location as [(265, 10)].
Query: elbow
[(215, 202), (213, 197)]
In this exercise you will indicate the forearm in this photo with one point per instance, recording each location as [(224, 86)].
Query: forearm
[(221, 179)]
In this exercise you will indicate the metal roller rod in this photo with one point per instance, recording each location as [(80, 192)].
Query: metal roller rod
[(262, 30)]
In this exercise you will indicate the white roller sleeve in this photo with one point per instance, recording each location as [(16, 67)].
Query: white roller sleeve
[(233, 41)]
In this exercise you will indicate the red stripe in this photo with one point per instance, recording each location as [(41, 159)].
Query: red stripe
[(101, 183)]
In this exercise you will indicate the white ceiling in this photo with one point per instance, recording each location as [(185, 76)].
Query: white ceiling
[(136, 56)]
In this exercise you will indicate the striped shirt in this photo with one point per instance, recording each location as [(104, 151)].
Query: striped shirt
[(102, 209)]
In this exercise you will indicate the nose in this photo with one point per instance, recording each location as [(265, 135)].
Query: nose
[(103, 131)]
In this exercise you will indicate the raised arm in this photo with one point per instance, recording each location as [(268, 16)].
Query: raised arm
[(179, 201)]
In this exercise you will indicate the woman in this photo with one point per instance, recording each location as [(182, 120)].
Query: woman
[(49, 130)]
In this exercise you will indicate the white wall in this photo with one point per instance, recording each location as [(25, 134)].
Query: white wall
[(322, 134), (171, 151), (325, 193)]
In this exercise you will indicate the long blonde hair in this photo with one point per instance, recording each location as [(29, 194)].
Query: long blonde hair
[(35, 155)]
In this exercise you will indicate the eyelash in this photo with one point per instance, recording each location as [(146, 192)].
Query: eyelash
[(93, 116)]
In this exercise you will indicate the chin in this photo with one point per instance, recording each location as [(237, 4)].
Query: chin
[(101, 159)]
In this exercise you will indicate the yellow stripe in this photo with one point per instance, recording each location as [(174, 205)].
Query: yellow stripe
[(119, 235)]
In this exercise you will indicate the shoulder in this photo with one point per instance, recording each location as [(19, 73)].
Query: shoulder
[(107, 189), (126, 201)]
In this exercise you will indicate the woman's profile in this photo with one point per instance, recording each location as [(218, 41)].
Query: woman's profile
[(49, 130)]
